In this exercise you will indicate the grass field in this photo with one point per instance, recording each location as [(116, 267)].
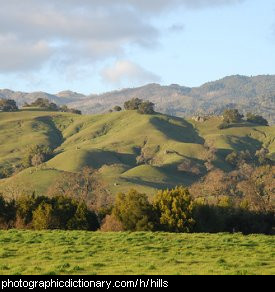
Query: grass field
[(111, 143), (81, 252)]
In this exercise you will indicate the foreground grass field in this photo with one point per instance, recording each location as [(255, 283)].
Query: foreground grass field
[(80, 252)]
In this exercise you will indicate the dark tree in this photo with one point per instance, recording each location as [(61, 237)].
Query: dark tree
[(256, 119), (8, 105), (232, 116), (146, 107), (117, 108), (133, 104)]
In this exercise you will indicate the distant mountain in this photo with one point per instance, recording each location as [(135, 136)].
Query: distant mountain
[(255, 94)]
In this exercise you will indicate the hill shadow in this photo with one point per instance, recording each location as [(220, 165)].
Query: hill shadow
[(55, 135), (177, 129), (245, 143)]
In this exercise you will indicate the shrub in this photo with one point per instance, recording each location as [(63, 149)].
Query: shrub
[(111, 223), (174, 208), (134, 211)]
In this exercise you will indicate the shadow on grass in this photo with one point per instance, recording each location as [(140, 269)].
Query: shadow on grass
[(177, 129)]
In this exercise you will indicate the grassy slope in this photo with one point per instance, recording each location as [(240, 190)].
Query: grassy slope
[(80, 252), (111, 142)]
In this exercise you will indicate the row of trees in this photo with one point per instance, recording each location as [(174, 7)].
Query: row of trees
[(39, 212), (232, 116), (45, 104), (222, 202), (142, 107), (177, 211)]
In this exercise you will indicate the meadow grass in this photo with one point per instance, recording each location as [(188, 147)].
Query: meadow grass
[(90, 253)]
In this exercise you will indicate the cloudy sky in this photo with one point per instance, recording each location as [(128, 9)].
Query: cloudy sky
[(92, 46)]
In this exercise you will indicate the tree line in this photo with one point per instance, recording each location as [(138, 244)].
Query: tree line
[(174, 210), (9, 105)]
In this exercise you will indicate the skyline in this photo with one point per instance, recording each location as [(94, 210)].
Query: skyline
[(99, 46)]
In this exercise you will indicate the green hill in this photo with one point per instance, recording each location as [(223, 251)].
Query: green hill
[(111, 143)]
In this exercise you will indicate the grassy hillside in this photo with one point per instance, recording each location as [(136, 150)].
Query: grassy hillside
[(111, 143), (86, 253)]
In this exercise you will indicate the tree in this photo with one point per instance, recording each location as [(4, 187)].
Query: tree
[(262, 156), (8, 105), (133, 104), (43, 217), (174, 208), (134, 211), (37, 154), (7, 213), (232, 116), (83, 219), (146, 107), (111, 223), (256, 119), (188, 166), (117, 108)]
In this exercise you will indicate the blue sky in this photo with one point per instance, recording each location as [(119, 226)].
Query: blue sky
[(96, 46)]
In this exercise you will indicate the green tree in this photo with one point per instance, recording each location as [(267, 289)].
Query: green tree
[(256, 119), (43, 217), (36, 155), (174, 208), (8, 105), (146, 107), (133, 104), (7, 212), (134, 211), (83, 219), (232, 116), (117, 108)]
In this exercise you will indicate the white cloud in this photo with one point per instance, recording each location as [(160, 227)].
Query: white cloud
[(125, 71), (34, 32)]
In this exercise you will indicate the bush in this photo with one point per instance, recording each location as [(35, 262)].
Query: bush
[(134, 211), (111, 223), (174, 208)]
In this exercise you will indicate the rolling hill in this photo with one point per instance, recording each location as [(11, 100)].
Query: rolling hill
[(255, 94), (112, 142)]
